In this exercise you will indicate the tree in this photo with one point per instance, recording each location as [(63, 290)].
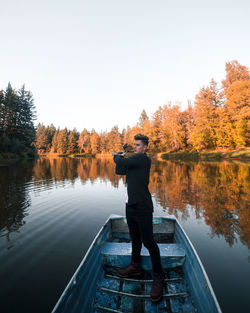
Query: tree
[(10, 109), (238, 106), (73, 141), (2, 113), (55, 141), (94, 143), (235, 72), (26, 116), (143, 118), (17, 115), (172, 130), (187, 117), (41, 141), (62, 145), (155, 131), (114, 140), (84, 141), (206, 121)]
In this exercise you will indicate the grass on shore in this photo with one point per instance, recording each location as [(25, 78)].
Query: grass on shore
[(70, 155), (17, 156), (238, 154)]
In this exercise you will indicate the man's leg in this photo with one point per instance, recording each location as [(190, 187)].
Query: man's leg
[(134, 231), (134, 268), (146, 230)]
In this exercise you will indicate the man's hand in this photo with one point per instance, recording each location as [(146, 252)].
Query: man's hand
[(119, 153)]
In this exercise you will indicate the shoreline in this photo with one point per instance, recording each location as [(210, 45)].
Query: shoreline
[(242, 154)]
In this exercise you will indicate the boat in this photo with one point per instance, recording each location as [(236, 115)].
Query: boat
[(95, 286)]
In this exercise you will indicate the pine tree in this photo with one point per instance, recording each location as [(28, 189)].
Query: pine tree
[(73, 141), (26, 116), (54, 146), (62, 145), (238, 106), (94, 143), (17, 117), (206, 121), (235, 72), (143, 118), (10, 103), (41, 141), (2, 113), (84, 141), (155, 131), (172, 130)]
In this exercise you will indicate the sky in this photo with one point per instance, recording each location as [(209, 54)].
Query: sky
[(99, 63)]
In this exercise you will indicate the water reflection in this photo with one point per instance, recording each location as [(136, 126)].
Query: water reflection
[(219, 192), (14, 196)]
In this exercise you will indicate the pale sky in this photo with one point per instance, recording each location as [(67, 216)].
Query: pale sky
[(99, 63)]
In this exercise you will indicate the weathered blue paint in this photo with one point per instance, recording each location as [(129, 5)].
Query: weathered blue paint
[(119, 255), (197, 279), (90, 290)]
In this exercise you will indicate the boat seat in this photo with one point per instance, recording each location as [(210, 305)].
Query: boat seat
[(119, 255)]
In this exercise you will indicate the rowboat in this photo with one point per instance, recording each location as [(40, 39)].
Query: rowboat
[(96, 287)]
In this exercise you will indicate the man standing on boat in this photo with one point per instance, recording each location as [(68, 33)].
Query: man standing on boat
[(139, 213)]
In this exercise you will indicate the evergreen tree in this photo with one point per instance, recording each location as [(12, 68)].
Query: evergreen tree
[(2, 113), (17, 115), (155, 132), (10, 104), (103, 142), (51, 130), (62, 145), (73, 141), (172, 131), (84, 141), (41, 141), (55, 147), (143, 118), (94, 143), (235, 72), (26, 116), (206, 121), (238, 106)]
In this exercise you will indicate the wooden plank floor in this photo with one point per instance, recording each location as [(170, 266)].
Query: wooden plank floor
[(131, 295)]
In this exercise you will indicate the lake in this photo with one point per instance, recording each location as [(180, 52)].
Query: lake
[(51, 210)]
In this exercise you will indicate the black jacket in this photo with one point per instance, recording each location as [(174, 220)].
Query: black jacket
[(137, 169)]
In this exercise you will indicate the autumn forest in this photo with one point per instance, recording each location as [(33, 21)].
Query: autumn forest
[(218, 119)]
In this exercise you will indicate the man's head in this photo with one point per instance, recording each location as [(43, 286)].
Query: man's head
[(140, 144)]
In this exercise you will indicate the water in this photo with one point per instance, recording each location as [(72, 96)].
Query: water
[(51, 210)]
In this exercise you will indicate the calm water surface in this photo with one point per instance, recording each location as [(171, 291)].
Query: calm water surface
[(51, 210)]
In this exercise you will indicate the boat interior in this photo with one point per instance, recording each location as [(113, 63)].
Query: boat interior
[(123, 295)]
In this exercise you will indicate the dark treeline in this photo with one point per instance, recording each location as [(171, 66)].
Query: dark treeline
[(17, 115), (218, 119)]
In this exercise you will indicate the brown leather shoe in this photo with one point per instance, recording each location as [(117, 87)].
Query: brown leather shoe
[(157, 287), (133, 269)]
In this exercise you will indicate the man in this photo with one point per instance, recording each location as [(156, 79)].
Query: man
[(139, 213)]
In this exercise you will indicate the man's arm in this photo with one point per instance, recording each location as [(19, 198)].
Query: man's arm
[(128, 162)]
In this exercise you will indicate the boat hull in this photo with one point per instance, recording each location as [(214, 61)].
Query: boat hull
[(96, 288)]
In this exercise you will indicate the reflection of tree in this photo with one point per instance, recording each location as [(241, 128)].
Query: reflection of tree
[(218, 191), (14, 196), (48, 171)]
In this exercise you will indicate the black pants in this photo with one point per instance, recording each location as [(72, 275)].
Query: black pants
[(140, 226)]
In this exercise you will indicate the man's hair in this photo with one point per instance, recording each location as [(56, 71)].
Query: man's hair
[(143, 138)]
